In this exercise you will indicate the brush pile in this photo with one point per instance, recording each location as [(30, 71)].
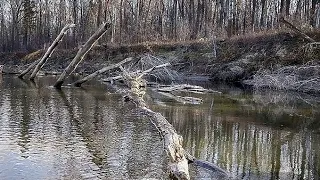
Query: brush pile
[(303, 78)]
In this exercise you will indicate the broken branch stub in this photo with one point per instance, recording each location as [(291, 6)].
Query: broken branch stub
[(82, 52), (50, 50)]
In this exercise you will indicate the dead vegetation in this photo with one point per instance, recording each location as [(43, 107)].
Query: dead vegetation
[(304, 78)]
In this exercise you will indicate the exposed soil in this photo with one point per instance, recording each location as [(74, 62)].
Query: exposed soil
[(236, 59)]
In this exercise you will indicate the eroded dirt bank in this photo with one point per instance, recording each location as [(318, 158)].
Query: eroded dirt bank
[(233, 61)]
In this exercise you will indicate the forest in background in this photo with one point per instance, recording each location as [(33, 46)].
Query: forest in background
[(27, 25)]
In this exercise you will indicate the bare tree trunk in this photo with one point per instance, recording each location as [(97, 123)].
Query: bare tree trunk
[(28, 69), (50, 50), (81, 53), (93, 75), (295, 29)]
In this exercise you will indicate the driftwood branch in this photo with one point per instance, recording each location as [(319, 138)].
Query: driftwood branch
[(81, 53), (295, 29), (185, 88), (183, 99), (95, 74), (50, 50)]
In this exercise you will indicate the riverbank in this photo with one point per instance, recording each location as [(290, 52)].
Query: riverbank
[(235, 60)]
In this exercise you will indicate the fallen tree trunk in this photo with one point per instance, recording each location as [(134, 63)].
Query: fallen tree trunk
[(295, 29), (81, 53), (178, 163), (93, 75), (50, 50), (178, 158), (47, 54)]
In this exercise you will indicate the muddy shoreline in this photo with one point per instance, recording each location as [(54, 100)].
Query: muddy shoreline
[(230, 61)]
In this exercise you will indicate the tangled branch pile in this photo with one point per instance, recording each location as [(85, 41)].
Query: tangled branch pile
[(304, 78), (148, 61)]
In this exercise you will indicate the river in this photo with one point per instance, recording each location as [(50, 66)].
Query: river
[(89, 133)]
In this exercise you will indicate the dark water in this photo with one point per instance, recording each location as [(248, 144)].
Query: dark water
[(88, 133)]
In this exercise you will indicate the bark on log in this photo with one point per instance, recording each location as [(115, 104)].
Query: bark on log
[(295, 29), (50, 50), (81, 53), (178, 163), (93, 75)]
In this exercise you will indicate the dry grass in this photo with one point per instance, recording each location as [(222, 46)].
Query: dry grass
[(32, 56)]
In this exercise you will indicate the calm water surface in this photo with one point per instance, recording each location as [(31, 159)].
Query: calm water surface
[(88, 133)]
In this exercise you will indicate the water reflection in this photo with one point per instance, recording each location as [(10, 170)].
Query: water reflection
[(90, 134), (73, 134), (251, 135)]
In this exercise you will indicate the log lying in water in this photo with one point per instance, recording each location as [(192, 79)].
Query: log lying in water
[(178, 164), (95, 74), (178, 158), (82, 52)]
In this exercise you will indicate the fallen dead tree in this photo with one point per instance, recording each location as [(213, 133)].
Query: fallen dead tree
[(50, 50), (81, 53), (178, 158), (95, 74), (40, 62), (295, 29)]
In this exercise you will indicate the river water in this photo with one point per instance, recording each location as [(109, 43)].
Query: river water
[(89, 133)]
